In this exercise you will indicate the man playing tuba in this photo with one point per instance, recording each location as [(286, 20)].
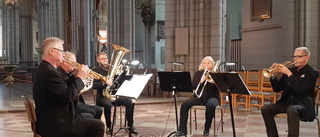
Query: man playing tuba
[(102, 101)]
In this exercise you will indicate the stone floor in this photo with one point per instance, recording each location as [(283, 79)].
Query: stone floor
[(154, 117)]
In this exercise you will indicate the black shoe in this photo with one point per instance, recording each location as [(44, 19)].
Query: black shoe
[(108, 131), (180, 134), (205, 133), (133, 130)]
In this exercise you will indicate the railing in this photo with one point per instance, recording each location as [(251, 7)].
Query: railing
[(236, 54)]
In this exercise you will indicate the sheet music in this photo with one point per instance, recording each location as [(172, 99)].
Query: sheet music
[(134, 87)]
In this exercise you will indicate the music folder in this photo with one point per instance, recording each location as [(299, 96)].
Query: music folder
[(230, 82), (134, 87)]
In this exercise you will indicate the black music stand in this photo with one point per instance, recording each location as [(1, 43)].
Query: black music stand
[(230, 83), (117, 83), (175, 81)]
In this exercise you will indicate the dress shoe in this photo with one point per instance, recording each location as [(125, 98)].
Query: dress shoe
[(205, 133), (108, 131), (180, 134), (133, 130)]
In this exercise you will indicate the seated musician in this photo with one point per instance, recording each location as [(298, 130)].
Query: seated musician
[(53, 96), (67, 70), (209, 98), (102, 101), (297, 101)]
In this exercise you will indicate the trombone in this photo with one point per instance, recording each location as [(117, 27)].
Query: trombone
[(208, 78), (268, 72)]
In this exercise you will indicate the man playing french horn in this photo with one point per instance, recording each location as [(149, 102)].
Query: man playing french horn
[(102, 101), (297, 84), (209, 96)]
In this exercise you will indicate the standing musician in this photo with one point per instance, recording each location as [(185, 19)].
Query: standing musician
[(55, 111), (209, 98), (297, 101), (69, 73), (102, 101)]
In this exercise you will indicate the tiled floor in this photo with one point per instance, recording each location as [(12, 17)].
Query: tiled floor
[(153, 117)]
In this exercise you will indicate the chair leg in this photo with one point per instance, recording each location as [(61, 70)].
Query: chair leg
[(190, 117), (221, 120), (195, 119), (214, 125), (318, 126)]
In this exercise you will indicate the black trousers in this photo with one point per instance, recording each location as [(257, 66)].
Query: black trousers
[(95, 111), (268, 112), (94, 127), (210, 104), (121, 101)]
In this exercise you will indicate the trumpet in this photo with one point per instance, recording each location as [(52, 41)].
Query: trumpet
[(88, 82), (268, 72), (208, 78)]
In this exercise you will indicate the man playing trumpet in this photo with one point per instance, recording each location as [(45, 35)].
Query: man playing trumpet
[(297, 84), (209, 97)]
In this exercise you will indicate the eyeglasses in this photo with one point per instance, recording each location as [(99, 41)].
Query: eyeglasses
[(103, 59), (298, 56), (61, 51)]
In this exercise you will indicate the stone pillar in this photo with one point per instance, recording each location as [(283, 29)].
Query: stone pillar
[(81, 22), (205, 20), (10, 34), (120, 25), (50, 19), (26, 38)]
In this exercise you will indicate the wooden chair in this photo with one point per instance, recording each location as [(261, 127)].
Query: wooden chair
[(316, 104), (239, 99), (201, 107), (254, 79), (267, 87), (31, 114)]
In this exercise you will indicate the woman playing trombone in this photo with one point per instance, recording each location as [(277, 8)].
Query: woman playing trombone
[(209, 96)]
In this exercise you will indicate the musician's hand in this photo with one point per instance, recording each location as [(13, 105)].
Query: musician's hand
[(203, 79), (283, 69), (109, 82), (83, 72)]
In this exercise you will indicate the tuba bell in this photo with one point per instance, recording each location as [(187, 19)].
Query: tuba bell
[(114, 68)]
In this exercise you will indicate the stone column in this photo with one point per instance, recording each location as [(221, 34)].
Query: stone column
[(26, 38), (121, 24), (10, 34), (205, 20)]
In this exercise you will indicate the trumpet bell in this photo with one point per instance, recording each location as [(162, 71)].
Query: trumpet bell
[(266, 73)]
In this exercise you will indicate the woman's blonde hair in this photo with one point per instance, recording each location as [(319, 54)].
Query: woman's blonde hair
[(207, 57)]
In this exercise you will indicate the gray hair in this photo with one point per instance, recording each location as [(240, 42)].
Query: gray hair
[(207, 57), (68, 54), (305, 50), (48, 43)]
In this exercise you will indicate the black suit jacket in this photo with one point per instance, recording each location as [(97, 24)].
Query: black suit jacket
[(298, 89), (56, 114), (98, 84)]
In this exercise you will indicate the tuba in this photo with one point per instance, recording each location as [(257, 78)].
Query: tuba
[(208, 78), (114, 68), (88, 82)]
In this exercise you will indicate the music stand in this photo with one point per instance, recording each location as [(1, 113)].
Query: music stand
[(126, 82), (230, 83), (175, 81)]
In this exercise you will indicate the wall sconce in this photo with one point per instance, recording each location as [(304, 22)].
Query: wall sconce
[(9, 3), (103, 36)]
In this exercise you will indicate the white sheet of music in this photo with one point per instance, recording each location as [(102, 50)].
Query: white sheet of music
[(134, 87)]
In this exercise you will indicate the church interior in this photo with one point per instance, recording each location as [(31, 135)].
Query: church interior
[(242, 36)]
